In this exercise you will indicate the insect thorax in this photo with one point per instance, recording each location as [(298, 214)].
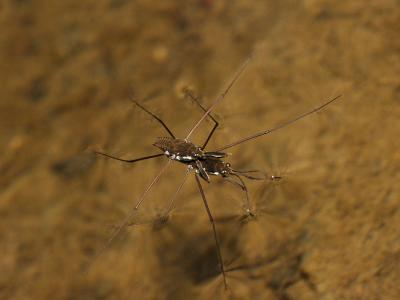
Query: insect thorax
[(178, 149)]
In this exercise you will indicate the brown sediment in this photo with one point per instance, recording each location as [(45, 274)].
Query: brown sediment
[(328, 230)]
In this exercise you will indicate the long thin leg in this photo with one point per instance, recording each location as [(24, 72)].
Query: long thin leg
[(125, 222), (154, 116), (220, 97), (242, 185), (246, 174), (171, 203), (279, 126), (129, 160), (216, 124), (210, 217)]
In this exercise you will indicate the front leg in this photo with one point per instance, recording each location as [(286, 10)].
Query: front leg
[(201, 170)]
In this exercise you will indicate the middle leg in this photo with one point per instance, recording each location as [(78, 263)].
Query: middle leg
[(210, 217), (196, 100)]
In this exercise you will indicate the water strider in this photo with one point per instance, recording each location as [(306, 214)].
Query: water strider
[(203, 163)]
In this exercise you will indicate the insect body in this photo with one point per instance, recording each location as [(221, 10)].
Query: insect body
[(203, 163)]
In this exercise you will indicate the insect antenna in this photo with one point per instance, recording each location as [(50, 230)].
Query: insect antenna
[(153, 115), (282, 125), (129, 160), (145, 157)]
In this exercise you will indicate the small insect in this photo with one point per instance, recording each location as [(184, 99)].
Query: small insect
[(203, 163)]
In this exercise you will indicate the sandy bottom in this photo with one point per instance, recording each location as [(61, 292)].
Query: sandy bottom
[(329, 229)]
